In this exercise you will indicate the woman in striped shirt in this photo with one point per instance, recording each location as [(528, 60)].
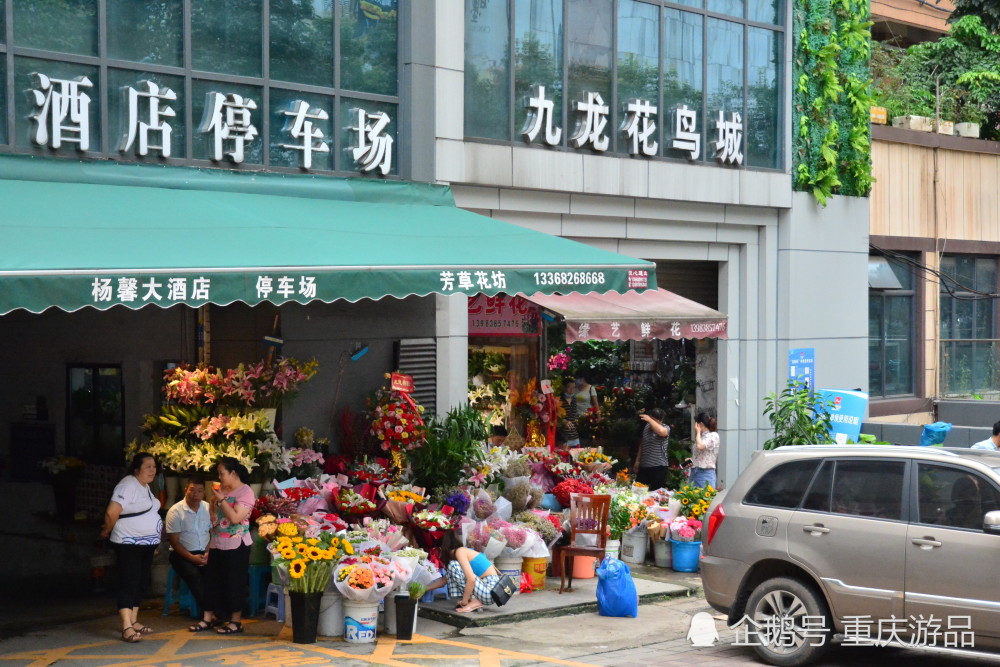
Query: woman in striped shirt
[(651, 462)]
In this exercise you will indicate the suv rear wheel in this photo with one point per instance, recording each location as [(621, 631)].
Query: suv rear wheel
[(790, 624)]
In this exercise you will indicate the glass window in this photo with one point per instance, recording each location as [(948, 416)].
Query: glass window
[(638, 55), (118, 81), (146, 31), (763, 118), (226, 36), (302, 32), (204, 142), (67, 26), (538, 55), (288, 151), (954, 497), (818, 497), (590, 39), (690, 3), (349, 135), (766, 11), (731, 7), (25, 108), (682, 69), (892, 330), (368, 46), (725, 72), (95, 414), (870, 488), (968, 358), (487, 69), (783, 486)]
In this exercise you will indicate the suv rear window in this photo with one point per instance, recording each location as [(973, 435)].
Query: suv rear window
[(866, 487), (783, 486)]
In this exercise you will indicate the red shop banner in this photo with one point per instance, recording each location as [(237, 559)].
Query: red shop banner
[(503, 315)]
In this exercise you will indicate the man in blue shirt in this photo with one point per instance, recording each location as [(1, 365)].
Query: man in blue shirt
[(187, 526), (993, 442)]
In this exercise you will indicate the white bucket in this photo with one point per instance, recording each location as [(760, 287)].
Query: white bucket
[(612, 547), (390, 612), (360, 621), (634, 547), (331, 616), (662, 553), (511, 565)]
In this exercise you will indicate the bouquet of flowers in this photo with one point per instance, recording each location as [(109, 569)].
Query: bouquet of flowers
[(354, 505), (368, 472), (400, 501), (483, 507), (684, 529), (459, 501), (274, 506), (397, 423), (559, 362), (309, 561), (694, 500), (305, 463), (329, 522), (364, 578), (432, 520), (381, 531), (563, 489), (593, 460)]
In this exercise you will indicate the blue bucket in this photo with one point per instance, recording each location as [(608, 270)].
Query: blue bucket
[(685, 555)]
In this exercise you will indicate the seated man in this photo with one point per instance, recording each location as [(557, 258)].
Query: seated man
[(187, 526)]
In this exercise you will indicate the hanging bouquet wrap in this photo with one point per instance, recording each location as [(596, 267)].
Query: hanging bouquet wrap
[(402, 501), (356, 504), (391, 536)]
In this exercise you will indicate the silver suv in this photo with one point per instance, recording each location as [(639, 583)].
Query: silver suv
[(860, 544)]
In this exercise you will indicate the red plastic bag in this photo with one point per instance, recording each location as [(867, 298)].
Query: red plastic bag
[(526, 584)]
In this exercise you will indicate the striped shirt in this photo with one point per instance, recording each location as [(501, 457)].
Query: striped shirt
[(654, 448)]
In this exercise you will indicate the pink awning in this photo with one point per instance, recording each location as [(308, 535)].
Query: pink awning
[(633, 316)]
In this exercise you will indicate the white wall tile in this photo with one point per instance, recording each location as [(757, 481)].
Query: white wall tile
[(593, 226), (487, 164), (550, 223), (449, 96), (450, 161), (601, 205), (474, 196), (643, 228), (543, 169)]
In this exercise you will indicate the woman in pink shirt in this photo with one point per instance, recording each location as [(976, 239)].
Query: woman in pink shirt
[(229, 549)]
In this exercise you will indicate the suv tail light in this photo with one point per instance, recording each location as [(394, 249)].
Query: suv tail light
[(714, 521)]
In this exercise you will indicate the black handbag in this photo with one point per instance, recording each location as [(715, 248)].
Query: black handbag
[(504, 588)]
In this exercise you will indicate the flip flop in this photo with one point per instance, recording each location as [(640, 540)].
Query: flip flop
[(201, 626), (131, 638), (142, 629)]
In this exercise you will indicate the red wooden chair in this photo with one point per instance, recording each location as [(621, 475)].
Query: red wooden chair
[(588, 515)]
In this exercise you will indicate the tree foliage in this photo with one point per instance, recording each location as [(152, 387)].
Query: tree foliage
[(798, 416), (987, 10), (957, 75)]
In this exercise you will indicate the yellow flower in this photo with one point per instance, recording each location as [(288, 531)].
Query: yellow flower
[(314, 553), (297, 569), (296, 540), (348, 548), (288, 554), (288, 529), (685, 501), (312, 541), (302, 548)]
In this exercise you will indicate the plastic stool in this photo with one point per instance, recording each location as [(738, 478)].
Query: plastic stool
[(184, 598), (437, 592), (260, 579), (274, 602)]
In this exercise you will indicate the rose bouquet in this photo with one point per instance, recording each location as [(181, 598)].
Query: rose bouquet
[(432, 520), (368, 472), (354, 506), (563, 489)]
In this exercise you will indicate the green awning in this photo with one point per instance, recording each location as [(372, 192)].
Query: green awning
[(106, 234)]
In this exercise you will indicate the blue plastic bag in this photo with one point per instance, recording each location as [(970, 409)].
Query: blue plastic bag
[(616, 594), (934, 434)]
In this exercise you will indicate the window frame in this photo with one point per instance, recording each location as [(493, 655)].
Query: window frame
[(976, 342), (905, 500), (884, 295), (817, 462), (106, 148), (72, 448), (663, 116)]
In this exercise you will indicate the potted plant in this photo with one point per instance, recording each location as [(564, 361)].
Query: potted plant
[(406, 610)]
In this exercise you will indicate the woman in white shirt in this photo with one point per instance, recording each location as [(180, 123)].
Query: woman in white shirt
[(132, 520), (705, 452)]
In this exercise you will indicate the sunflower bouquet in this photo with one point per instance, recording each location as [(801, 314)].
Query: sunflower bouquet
[(309, 561), (694, 500), (593, 460)]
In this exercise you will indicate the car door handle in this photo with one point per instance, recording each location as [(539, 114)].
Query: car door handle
[(926, 543), (815, 529)]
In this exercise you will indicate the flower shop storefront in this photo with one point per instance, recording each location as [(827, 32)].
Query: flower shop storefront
[(242, 267)]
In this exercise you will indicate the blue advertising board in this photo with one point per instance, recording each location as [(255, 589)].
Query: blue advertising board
[(847, 413), (802, 365)]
